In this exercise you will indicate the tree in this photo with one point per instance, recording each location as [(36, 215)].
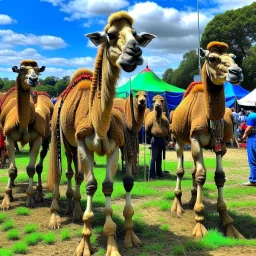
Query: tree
[(184, 74), (51, 80), (8, 84), (61, 85), (1, 83), (167, 75), (234, 27), (249, 69)]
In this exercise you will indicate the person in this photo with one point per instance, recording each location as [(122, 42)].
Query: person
[(250, 134), (235, 127)]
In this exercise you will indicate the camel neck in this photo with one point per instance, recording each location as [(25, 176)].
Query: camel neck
[(214, 98), (23, 98), (158, 115)]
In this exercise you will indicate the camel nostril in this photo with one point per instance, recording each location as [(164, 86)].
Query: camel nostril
[(33, 78)]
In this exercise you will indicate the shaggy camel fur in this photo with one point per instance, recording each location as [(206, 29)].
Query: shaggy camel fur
[(24, 121), (88, 122), (202, 121), (133, 118)]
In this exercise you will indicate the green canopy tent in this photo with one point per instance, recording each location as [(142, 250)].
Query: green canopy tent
[(148, 81)]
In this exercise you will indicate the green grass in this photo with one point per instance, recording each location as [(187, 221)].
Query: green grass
[(65, 234), (9, 224), (49, 238), (20, 247), (30, 228), (13, 234), (165, 205), (34, 238), (178, 250), (5, 252), (23, 211), (3, 217), (153, 247), (165, 227)]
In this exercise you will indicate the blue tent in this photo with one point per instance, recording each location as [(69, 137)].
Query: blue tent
[(233, 93)]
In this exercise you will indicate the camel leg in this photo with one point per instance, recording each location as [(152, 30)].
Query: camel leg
[(55, 221), (200, 176), (130, 238), (12, 172), (177, 205), (194, 188), (39, 169), (78, 213), (34, 151), (228, 222), (86, 163), (109, 228)]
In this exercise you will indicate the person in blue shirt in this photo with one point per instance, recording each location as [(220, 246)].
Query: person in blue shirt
[(250, 133)]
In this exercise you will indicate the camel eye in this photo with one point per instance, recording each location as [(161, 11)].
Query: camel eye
[(212, 59), (111, 36), (22, 69)]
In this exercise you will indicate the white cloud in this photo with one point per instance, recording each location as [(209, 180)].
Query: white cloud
[(46, 41), (6, 19), (77, 9)]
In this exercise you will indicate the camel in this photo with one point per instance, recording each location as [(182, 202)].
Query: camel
[(157, 125), (202, 120), (26, 122), (89, 124), (133, 118)]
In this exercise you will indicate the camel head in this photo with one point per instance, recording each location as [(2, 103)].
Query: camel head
[(158, 103), (28, 73), (220, 65), (141, 97), (121, 41)]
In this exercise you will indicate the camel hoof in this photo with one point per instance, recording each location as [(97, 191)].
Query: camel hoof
[(131, 240), (84, 248), (77, 213), (199, 231), (6, 204), (39, 196), (177, 208), (231, 231), (30, 202), (55, 221), (112, 249)]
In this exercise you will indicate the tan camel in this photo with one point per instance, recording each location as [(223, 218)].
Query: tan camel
[(88, 122), (202, 120), (24, 121), (133, 118), (157, 126)]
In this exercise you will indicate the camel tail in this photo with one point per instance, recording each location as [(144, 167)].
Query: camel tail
[(54, 165)]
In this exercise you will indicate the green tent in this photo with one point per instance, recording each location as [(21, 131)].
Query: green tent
[(148, 81)]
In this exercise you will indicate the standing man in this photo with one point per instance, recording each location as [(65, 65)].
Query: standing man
[(250, 133), (157, 127)]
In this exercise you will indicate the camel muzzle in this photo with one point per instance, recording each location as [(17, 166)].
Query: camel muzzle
[(32, 81), (235, 75)]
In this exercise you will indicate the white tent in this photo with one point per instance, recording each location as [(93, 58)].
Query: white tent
[(248, 100)]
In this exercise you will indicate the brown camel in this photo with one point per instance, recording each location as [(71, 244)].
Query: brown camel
[(89, 123), (157, 126), (202, 120), (133, 118), (24, 121)]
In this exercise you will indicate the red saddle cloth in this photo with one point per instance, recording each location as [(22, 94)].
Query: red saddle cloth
[(2, 142)]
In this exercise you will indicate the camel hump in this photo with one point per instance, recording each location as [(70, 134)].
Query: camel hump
[(80, 72), (194, 87)]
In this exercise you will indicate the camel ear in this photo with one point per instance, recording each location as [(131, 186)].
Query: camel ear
[(42, 69), (15, 69), (203, 53), (97, 38), (144, 38)]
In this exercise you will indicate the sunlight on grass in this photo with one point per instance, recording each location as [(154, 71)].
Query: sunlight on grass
[(13, 234), (9, 224), (30, 228), (241, 204), (20, 247), (6, 252), (23, 211), (3, 217), (165, 205), (165, 227), (65, 234), (49, 238), (169, 195), (34, 238)]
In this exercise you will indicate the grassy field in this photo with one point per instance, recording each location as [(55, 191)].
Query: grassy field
[(25, 231)]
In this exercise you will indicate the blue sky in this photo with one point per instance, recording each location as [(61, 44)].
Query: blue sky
[(52, 31)]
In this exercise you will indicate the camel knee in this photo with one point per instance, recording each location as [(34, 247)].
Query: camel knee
[(200, 176), (69, 174), (39, 169), (91, 187), (79, 177), (30, 171), (219, 178), (180, 172), (12, 172), (128, 183), (107, 188)]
